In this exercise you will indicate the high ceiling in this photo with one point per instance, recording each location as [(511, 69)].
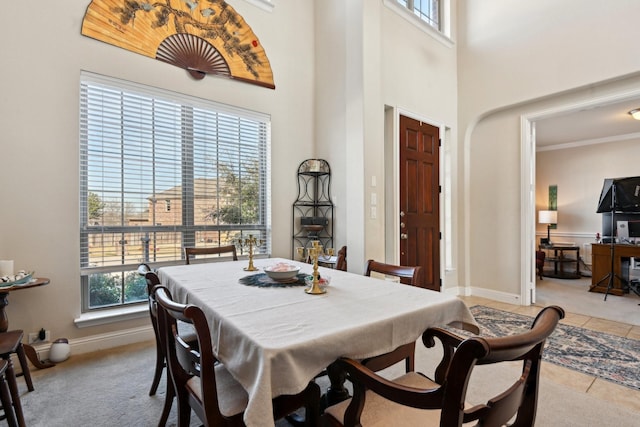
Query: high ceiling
[(602, 122)]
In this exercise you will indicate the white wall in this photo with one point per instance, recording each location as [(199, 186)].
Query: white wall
[(515, 61), (337, 66), (369, 58), (39, 225)]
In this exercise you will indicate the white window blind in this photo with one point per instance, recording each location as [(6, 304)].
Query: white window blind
[(160, 171)]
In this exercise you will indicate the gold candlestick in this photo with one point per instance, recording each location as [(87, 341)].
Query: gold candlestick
[(249, 243), (314, 252)]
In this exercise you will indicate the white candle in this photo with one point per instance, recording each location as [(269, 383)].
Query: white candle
[(6, 267)]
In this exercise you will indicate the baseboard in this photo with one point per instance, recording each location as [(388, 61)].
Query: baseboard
[(101, 341), (497, 296)]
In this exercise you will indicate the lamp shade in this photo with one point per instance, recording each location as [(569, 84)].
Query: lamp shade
[(548, 217)]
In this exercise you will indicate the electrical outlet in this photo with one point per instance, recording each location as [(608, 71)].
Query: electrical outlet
[(35, 339)]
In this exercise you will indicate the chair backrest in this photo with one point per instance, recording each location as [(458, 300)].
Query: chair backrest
[(215, 250), (407, 275), (341, 261), (152, 280), (185, 361), (454, 372)]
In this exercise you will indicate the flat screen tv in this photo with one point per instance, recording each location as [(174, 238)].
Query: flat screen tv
[(633, 220)]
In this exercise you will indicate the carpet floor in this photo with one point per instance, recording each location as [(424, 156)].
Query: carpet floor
[(574, 297), (606, 356), (110, 388)]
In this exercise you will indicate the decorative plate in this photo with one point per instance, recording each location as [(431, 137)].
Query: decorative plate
[(264, 281), (19, 279)]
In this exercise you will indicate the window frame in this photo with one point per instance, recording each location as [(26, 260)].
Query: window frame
[(186, 230), (442, 35)]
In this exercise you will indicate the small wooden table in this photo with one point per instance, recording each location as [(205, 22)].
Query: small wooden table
[(4, 320), (559, 260)]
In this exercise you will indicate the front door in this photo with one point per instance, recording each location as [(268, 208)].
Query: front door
[(419, 198)]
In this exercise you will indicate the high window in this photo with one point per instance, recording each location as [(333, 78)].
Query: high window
[(160, 171), (427, 10)]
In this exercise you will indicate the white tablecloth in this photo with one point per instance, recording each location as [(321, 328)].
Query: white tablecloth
[(274, 340)]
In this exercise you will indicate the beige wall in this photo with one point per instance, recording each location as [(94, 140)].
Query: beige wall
[(336, 66), (579, 174), (39, 225), (513, 62)]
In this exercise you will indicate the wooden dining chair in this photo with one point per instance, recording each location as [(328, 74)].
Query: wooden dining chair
[(8, 406), (410, 276), (187, 334), (214, 250), (540, 258), (415, 400), (11, 343), (203, 384), (341, 261)]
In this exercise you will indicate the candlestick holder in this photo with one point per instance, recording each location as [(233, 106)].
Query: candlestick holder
[(313, 253), (249, 243)]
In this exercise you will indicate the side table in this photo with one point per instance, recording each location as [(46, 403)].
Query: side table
[(29, 351), (560, 260)]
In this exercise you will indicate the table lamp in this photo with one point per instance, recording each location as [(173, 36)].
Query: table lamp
[(548, 217)]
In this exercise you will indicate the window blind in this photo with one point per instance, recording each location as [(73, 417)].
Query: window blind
[(161, 170)]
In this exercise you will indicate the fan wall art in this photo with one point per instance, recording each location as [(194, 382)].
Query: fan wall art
[(201, 36)]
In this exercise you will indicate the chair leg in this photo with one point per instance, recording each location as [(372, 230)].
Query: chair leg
[(184, 413), (409, 362), (168, 402), (15, 394), (26, 373), (159, 368), (5, 398), (312, 406)]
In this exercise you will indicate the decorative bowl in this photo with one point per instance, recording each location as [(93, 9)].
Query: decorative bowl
[(18, 279), (282, 271), (323, 281)]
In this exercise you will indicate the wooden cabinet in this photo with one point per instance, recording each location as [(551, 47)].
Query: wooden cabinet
[(565, 261), (601, 266)]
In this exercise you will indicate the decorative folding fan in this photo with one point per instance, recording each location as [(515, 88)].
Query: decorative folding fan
[(201, 36)]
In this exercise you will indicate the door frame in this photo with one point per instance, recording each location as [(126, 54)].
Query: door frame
[(528, 181), (392, 184)]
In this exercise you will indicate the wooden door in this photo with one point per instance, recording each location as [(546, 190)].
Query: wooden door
[(419, 198)]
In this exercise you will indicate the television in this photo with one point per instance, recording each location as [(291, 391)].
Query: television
[(634, 229), (630, 220)]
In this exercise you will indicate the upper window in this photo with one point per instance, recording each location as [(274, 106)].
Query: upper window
[(160, 171), (427, 10)]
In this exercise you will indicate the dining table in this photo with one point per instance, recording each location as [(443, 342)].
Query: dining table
[(274, 338)]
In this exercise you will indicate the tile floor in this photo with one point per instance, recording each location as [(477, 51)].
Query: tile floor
[(602, 389)]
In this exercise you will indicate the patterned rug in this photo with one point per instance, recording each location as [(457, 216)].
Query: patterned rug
[(595, 353)]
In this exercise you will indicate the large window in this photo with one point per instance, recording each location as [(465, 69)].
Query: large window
[(160, 171)]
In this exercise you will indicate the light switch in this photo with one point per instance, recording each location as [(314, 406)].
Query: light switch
[(374, 199), (374, 212), (373, 180)]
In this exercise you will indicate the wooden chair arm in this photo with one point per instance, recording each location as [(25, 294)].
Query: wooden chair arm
[(450, 342), (364, 379)]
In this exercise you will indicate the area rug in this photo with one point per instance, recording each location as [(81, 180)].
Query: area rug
[(605, 356)]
